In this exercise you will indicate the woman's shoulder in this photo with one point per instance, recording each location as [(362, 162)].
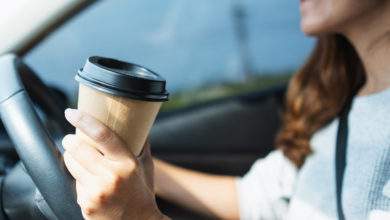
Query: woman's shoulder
[(274, 165), (264, 191)]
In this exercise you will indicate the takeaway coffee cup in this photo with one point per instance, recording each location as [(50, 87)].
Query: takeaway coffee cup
[(125, 97)]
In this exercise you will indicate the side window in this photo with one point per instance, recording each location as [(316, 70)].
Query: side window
[(205, 49)]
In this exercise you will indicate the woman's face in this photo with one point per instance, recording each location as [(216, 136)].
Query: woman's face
[(327, 16)]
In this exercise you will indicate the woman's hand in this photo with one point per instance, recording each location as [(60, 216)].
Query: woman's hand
[(111, 183)]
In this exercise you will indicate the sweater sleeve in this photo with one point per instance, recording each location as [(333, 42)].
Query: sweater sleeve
[(264, 192)]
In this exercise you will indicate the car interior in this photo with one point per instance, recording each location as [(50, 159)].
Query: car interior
[(194, 137), (224, 135)]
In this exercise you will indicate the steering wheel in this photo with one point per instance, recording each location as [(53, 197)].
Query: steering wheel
[(41, 157)]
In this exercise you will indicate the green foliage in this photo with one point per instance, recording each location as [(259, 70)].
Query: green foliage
[(209, 92)]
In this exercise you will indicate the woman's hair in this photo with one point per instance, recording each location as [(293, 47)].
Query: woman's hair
[(317, 93)]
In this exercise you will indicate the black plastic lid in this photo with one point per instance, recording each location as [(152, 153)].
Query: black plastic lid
[(123, 79)]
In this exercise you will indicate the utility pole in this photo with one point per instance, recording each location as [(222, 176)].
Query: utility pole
[(239, 20)]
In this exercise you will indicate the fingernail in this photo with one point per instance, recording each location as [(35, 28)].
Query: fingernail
[(65, 141), (66, 157), (72, 115)]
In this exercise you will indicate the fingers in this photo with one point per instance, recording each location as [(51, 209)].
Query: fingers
[(81, 192), (83, 199), (77, 171), (87, 156), (87, 184), (107, 141)]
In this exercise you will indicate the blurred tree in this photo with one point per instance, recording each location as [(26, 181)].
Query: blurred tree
[(239, 21)]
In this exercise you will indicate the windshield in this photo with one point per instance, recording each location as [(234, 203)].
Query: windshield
[(192, 44)]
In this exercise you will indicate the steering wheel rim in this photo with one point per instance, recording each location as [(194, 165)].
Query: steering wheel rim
[(44, 98), (38, 152)]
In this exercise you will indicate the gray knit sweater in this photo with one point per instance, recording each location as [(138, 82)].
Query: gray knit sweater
[(274, 189)]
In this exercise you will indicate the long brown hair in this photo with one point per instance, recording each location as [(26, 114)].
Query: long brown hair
[(317, 93)]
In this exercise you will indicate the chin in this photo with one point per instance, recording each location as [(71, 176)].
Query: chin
[(310, 31), (312, 28)]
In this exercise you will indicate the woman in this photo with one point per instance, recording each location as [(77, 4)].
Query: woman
[(296, 181)]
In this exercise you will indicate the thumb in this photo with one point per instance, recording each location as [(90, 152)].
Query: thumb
[(146, 162)]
